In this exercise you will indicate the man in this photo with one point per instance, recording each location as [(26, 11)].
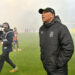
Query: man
[(7, 39), (15, 40), (55, 42)]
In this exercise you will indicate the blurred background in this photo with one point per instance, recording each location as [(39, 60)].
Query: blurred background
[(23, 14)]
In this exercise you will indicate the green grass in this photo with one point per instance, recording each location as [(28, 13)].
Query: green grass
[(72, 61), (28, 61)]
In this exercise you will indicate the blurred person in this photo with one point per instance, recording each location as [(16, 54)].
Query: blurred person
[(7, 39), (15, 40), (56, 43)]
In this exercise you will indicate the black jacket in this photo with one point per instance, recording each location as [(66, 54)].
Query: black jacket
[(56, 45), (7, 38)]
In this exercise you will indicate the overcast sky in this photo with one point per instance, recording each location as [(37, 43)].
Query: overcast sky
[(24, 13)]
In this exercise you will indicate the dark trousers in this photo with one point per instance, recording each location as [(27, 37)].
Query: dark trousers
[(58, 71), (5, 57)]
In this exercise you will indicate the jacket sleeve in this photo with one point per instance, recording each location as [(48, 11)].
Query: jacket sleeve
[(66, 47), (9, 39)]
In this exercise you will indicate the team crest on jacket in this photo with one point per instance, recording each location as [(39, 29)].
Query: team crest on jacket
[(51, 34), (41, 32)]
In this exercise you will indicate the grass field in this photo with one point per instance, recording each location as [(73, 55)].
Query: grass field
[(28, 61)]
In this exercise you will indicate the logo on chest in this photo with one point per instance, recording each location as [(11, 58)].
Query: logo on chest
[(42, 32), (51, 34)]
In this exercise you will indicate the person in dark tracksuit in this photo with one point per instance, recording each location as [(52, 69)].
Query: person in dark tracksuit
[(7, 39), (56, 43)]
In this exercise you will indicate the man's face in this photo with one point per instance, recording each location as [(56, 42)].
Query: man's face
[(5, 27), (47, 16)]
